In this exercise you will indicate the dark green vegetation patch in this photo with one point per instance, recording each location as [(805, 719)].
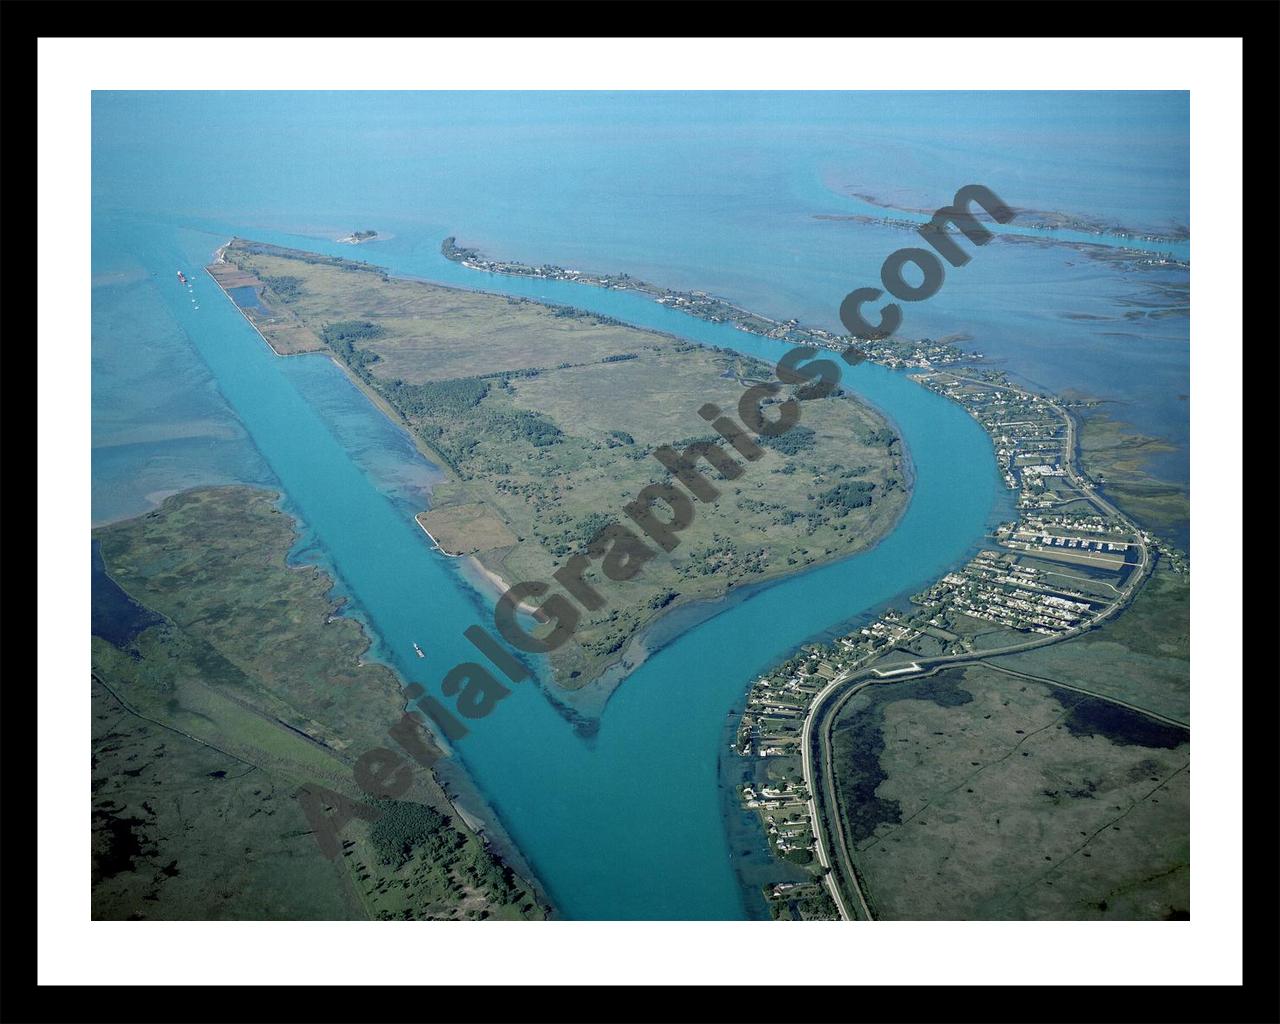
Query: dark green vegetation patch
[(1090, 717), (858, 741)]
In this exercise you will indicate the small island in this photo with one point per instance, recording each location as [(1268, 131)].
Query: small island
[(356, 237)]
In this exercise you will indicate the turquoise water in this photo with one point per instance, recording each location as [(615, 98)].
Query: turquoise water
[(244, 297), (719, 191), (626, 823)]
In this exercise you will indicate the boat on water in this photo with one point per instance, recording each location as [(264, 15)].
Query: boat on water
[(182, 278), (418, 650)]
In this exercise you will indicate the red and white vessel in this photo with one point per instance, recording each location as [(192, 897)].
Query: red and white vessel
[(182, 277)]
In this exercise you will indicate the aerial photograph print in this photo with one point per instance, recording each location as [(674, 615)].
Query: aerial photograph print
[(640, 506)]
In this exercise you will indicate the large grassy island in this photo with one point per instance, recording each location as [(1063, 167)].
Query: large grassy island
[(546, 419)]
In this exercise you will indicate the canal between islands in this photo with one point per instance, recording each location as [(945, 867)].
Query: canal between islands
[(630, 821)]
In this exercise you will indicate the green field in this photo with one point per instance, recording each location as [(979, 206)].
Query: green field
[(979, 795), (546, 419), (1141, 656), (206, 722), (182, 830)]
